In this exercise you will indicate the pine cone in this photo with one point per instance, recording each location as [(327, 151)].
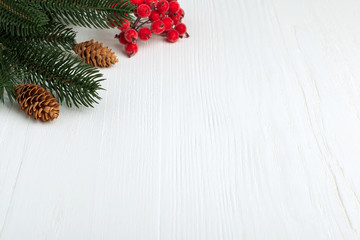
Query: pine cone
[(95, 54), (37, 102)]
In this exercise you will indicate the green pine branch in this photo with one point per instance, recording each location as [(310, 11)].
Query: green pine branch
[(10, 73), (21, 20), (6, 83), (6, 77), (87, 13), (64, 75), (12, 70), (35, 46), (56, 35)]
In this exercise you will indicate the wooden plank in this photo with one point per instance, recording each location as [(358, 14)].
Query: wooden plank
[(247, 130)]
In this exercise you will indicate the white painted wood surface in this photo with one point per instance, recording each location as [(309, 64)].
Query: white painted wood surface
[(250, 129)]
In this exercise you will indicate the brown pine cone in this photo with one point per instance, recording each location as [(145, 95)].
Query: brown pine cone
[(95, 54), (37, 102)]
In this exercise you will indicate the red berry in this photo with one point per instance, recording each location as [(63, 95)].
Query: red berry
[(162, 6), (181, 28), (122, 39), (144, 33), (131, 49), (158, 27), (161, 15), (151, 3), (174, 6), (143, 11), (181, 13), (137, 2), (124, 25), (168, 23), (175, 17), (172, 36), (131, 35), (154, 16)]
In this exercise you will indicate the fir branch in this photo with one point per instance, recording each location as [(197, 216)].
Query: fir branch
[(7, 76), (88, 13), (6, 82), (65, 76), (33, 38), (57, 35), (20, 20)]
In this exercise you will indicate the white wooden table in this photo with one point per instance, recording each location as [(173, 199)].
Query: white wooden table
[(250, 129)]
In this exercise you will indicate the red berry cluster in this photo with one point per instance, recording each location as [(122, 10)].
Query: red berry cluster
[(162, 17)]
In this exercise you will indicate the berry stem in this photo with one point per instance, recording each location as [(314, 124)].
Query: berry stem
[(142, 24), (186, 35), (136, 22)]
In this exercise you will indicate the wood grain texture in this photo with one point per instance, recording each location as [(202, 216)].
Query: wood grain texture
[(250, 129)]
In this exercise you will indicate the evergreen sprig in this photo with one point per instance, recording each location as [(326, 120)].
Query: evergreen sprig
[(21, 19), (87, 13), (35, 46), (56, 35), (7, 76), (65, 76)]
